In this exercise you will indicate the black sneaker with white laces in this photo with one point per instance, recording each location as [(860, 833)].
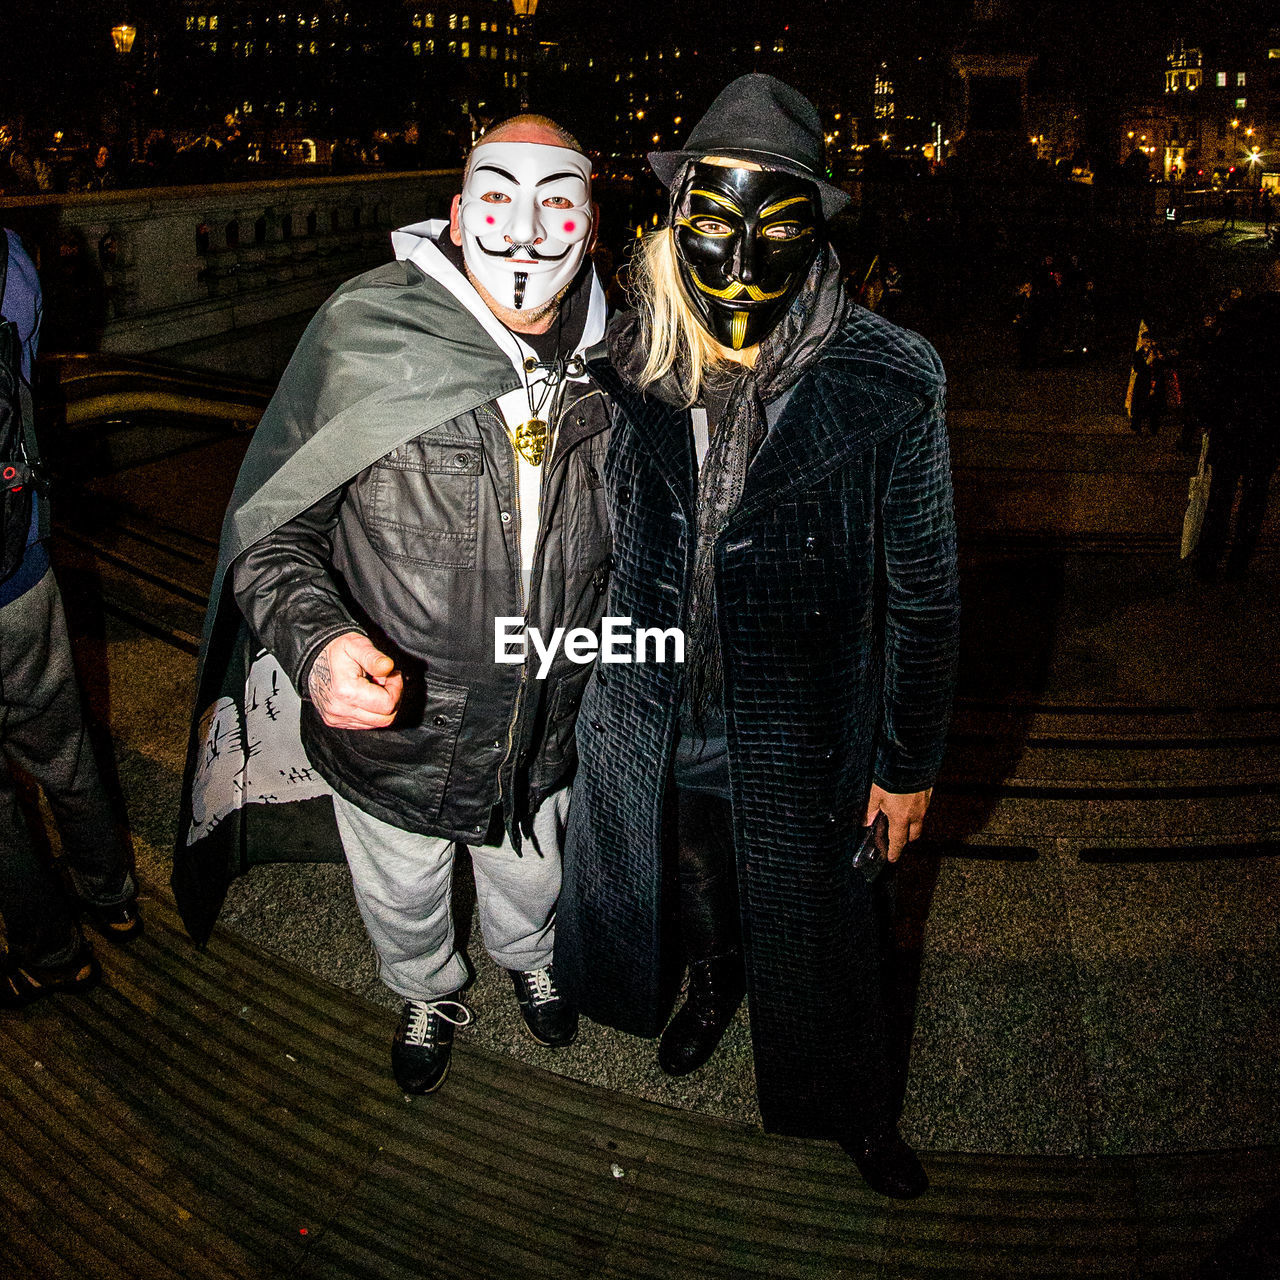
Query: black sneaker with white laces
[(548, 1016), (423, 1041)]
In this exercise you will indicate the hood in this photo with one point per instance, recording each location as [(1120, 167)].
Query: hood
[(417, 244)]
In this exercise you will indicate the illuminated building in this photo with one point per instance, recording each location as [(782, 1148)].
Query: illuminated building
[(334, 67)]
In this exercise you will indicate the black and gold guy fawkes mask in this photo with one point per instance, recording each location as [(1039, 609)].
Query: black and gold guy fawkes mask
[(745, 240)]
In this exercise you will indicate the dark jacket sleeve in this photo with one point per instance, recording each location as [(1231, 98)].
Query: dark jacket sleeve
[(922, 610), (285, 589)]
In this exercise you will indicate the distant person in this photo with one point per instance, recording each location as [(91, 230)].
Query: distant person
[(1244, 434), (160, 155), (405, 151), (18, 176), (1228, 210), (1267, 210), (1147, 402), (97, 174), (42, 730)]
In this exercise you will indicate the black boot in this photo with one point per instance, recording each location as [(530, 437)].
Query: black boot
[(887, 1164), (716, 988)]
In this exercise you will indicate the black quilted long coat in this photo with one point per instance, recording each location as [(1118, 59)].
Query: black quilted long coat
[(838, 610)]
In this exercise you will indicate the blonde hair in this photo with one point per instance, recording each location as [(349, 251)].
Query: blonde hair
[(669, 326)]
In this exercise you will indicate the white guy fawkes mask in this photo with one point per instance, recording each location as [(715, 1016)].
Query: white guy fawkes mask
[(526, 220)]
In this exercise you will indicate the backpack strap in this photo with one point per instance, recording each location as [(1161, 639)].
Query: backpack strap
[(4, 265)]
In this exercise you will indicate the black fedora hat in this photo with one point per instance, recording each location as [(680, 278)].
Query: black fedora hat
[(758, 118)]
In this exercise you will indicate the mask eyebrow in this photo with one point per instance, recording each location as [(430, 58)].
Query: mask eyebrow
[(782, 204), (556, 177), (493, 168), (717, 199)]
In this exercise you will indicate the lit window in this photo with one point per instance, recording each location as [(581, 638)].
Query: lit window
[(1240, 79), (431, 19), (314, 48), (213, 46), (1273, 53), (431, 46), (453, 22), (466, 48), (466, 22), (482, 50), (1222, 79), (213, 26), (453, 46), (484, 26), (191, 22), (1240, 103), (202, 22)]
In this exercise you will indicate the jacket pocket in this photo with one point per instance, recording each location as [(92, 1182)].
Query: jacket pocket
[(424, 503), (589, 537), (407, 767)]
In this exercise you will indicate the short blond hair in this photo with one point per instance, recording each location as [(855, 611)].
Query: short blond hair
[(495, 132), (670, 329)]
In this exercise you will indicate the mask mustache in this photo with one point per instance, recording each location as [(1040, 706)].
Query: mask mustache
[(522, 250)]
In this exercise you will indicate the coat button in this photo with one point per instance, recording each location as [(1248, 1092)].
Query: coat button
[(506, 517), (597, 726), (601, 678), (624, 496), (441, 721), (461, 459)]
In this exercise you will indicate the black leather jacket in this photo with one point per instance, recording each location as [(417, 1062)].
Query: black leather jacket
[(421, 552)]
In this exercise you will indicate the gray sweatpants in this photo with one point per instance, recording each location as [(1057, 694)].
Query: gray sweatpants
[(404, 887)]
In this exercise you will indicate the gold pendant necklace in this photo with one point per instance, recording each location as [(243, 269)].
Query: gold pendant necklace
[(531, 435), (531, 440)]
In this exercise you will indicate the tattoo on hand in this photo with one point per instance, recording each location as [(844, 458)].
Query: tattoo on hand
[(320, 682)]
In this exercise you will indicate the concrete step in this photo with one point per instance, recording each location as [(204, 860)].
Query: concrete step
[(219, 1113)]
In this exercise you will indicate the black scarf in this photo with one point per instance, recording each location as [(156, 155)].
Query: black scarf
[(811, 321)]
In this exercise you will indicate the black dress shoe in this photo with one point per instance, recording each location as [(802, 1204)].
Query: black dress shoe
[(118, 923), (887, 1164), (423, 1042), (548, 1016), (716, 988)]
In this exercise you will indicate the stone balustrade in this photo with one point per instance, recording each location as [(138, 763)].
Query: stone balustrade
[(160, 268)]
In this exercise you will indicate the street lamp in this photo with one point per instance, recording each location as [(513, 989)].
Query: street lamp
[(123, 35), (525, 11)]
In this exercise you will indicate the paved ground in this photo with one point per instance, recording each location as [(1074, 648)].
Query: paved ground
[(221, 1114)]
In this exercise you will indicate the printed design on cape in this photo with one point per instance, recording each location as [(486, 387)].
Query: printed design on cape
[(254, 755)]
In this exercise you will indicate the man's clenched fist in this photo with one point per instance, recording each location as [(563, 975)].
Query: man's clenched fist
[(354, 685)]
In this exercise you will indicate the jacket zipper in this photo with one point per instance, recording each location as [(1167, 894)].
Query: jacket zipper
[(515, 715), (547, 463)]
